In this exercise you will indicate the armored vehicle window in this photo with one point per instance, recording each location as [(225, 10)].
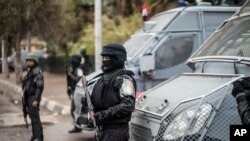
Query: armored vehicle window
[(135, 43), (173, 52)]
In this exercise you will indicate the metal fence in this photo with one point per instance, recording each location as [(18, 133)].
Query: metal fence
[(57, 65)]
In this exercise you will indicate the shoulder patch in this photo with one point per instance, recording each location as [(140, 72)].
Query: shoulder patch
[(127, 87)]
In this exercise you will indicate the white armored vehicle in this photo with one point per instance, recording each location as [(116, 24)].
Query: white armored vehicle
[(168, 40), (199, 106)]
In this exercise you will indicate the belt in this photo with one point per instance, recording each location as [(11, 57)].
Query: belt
[(115, 126)]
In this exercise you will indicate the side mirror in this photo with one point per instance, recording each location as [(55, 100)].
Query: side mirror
[(147, 65)]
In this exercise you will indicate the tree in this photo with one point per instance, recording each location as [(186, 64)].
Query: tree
[(5, 69), (17, 17)]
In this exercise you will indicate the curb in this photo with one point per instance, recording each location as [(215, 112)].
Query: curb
[(55, 106), (51, 105)]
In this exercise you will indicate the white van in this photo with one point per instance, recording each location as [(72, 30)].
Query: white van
[(161, 51)]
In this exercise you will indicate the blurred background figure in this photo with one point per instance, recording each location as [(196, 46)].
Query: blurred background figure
[(86, 64), (74, 73)]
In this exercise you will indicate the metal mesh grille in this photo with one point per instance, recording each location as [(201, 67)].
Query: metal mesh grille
[(232, 40), (220, 111), (139, 133), (246, 8)]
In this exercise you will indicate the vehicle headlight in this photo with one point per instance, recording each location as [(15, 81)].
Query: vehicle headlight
[(181, 122)]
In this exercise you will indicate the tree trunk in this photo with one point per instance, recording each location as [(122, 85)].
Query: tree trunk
[(18, 66), (123, 7), (5, 67)]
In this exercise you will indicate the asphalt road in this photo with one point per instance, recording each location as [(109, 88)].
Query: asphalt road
[(59, 132), (55, 126)]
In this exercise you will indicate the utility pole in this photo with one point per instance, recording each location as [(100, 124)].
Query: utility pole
[(98, 33), (28, 33)]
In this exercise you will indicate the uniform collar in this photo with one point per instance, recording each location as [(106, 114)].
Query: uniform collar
[(105, 75)]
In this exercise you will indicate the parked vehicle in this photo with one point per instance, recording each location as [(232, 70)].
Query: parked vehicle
[(11, 59), (199, 106), (170, 40), (164, 43)]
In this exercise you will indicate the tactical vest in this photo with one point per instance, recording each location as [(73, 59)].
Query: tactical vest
[(29, 81), (104, 93)]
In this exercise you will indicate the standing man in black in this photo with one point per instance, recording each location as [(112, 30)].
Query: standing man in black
[(113, 95), (33, 84), (74, 73)]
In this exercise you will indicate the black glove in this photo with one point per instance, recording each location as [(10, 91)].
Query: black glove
[(99, 117), (247, 94), (245, 82), (237, 88)]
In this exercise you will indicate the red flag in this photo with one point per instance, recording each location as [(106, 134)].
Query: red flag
[(145, 12)]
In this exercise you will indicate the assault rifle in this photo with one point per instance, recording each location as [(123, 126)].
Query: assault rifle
[(98, 129), (69, 91)]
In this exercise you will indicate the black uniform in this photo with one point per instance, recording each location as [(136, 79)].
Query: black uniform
[(113, 104), (33, 84), (241, 91), (74, 74), (113, 95)]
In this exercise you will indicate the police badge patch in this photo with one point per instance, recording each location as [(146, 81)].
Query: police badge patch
[(127, 87)]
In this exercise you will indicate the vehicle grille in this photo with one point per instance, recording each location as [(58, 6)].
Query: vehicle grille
[(140, 133), (216, 128)]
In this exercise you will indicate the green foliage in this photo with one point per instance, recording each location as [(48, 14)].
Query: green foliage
[(68, 25), (118, 30), (12, 17), (41, 17)]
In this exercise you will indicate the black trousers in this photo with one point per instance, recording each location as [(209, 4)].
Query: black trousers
[(37, 130), (119, 134)]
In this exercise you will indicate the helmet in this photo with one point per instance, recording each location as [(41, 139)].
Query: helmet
[(83, 50), (33, 56), (115, 50), (76, 59)]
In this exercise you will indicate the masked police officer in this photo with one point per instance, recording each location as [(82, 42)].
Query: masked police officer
[(113, 95), (74, 73), (241, 91), (33, 84)]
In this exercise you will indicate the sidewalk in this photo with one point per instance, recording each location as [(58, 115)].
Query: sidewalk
[(54, 96)]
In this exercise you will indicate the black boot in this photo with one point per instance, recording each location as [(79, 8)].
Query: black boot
[(75, 130), (32, 138)]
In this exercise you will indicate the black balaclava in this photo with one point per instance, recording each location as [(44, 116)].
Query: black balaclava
[(117, 54), (112, 64)]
